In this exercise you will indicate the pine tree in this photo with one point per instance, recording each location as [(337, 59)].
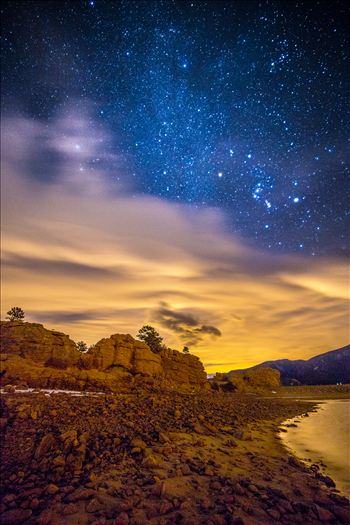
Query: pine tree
[(151, 337), (15, 314)]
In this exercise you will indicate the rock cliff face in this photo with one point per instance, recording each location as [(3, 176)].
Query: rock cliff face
[(32, 341), (125, 353), (245, 381), (38, 357), (183, 368), (259, 378)]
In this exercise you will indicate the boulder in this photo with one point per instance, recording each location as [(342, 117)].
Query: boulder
[(33, 341), (146, 362), (255, 379), (114, 351), (182, 368)]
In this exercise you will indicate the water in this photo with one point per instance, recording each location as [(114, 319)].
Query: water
[(324, 436)]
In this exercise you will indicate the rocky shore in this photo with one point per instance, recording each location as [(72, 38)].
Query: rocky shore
[(158, 458)]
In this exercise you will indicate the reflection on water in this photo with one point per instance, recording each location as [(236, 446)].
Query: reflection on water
[(325, 436)]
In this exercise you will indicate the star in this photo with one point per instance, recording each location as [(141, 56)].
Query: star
[(188, 104)]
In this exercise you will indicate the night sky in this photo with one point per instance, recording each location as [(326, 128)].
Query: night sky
[(183, 164), (238, 105)]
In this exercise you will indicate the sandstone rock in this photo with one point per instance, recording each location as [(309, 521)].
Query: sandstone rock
[(146, 362), (139, 517), (185, 470), (323, 514), (182, 368), (94, 506), (273, 513), (338, 498), (258, 378), (236, 520), (52, 489), (163, 437), (49, 359), (151, 462), (138, 443), (33, 341), (122, 519), (81, 494), (15, 516), (342, 514), (326, 480), (294, 462), (9, 388), (71, 508), (45, 445)]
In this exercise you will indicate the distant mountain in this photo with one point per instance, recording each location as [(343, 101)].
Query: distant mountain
[(325, 369)]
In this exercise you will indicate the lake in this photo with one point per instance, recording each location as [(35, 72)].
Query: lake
[(324, 436)]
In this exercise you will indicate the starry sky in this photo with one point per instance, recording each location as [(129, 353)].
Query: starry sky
[(202, 148)]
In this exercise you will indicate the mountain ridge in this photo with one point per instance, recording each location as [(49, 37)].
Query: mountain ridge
[(331, 367)]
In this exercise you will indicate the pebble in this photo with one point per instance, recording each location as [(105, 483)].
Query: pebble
[(52, 489), (122, 519), (323, 514)]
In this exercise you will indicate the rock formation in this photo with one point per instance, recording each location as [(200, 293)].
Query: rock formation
[(122, 352), (260, 378), (32, 341), (245, 381), (183, 368), (38, 357)]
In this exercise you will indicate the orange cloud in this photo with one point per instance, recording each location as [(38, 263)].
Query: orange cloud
[(90, 261)]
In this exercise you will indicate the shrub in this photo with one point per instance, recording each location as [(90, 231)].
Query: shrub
[(82, 347), (15, 314)]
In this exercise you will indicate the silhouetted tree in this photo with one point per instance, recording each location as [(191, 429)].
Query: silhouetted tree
[(82, 347), (151, 337), (186, 350), (15, 314)]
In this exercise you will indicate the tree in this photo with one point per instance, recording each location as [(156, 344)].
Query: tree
[(82, 347), (186, 350), (15, 314), (150, 336)]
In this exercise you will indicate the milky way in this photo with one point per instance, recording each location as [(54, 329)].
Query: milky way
[(242, 106)]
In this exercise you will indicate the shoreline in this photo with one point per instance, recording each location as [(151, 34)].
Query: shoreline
[(159, 459), (297, 434)]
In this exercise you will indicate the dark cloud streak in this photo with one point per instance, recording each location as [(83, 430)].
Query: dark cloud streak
[(188, 327), (61, 267)]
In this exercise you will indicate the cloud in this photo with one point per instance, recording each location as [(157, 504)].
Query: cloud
[(186, 324), (219, 365), (56, 267), (73, 148), (86, 253), (84, 315)]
